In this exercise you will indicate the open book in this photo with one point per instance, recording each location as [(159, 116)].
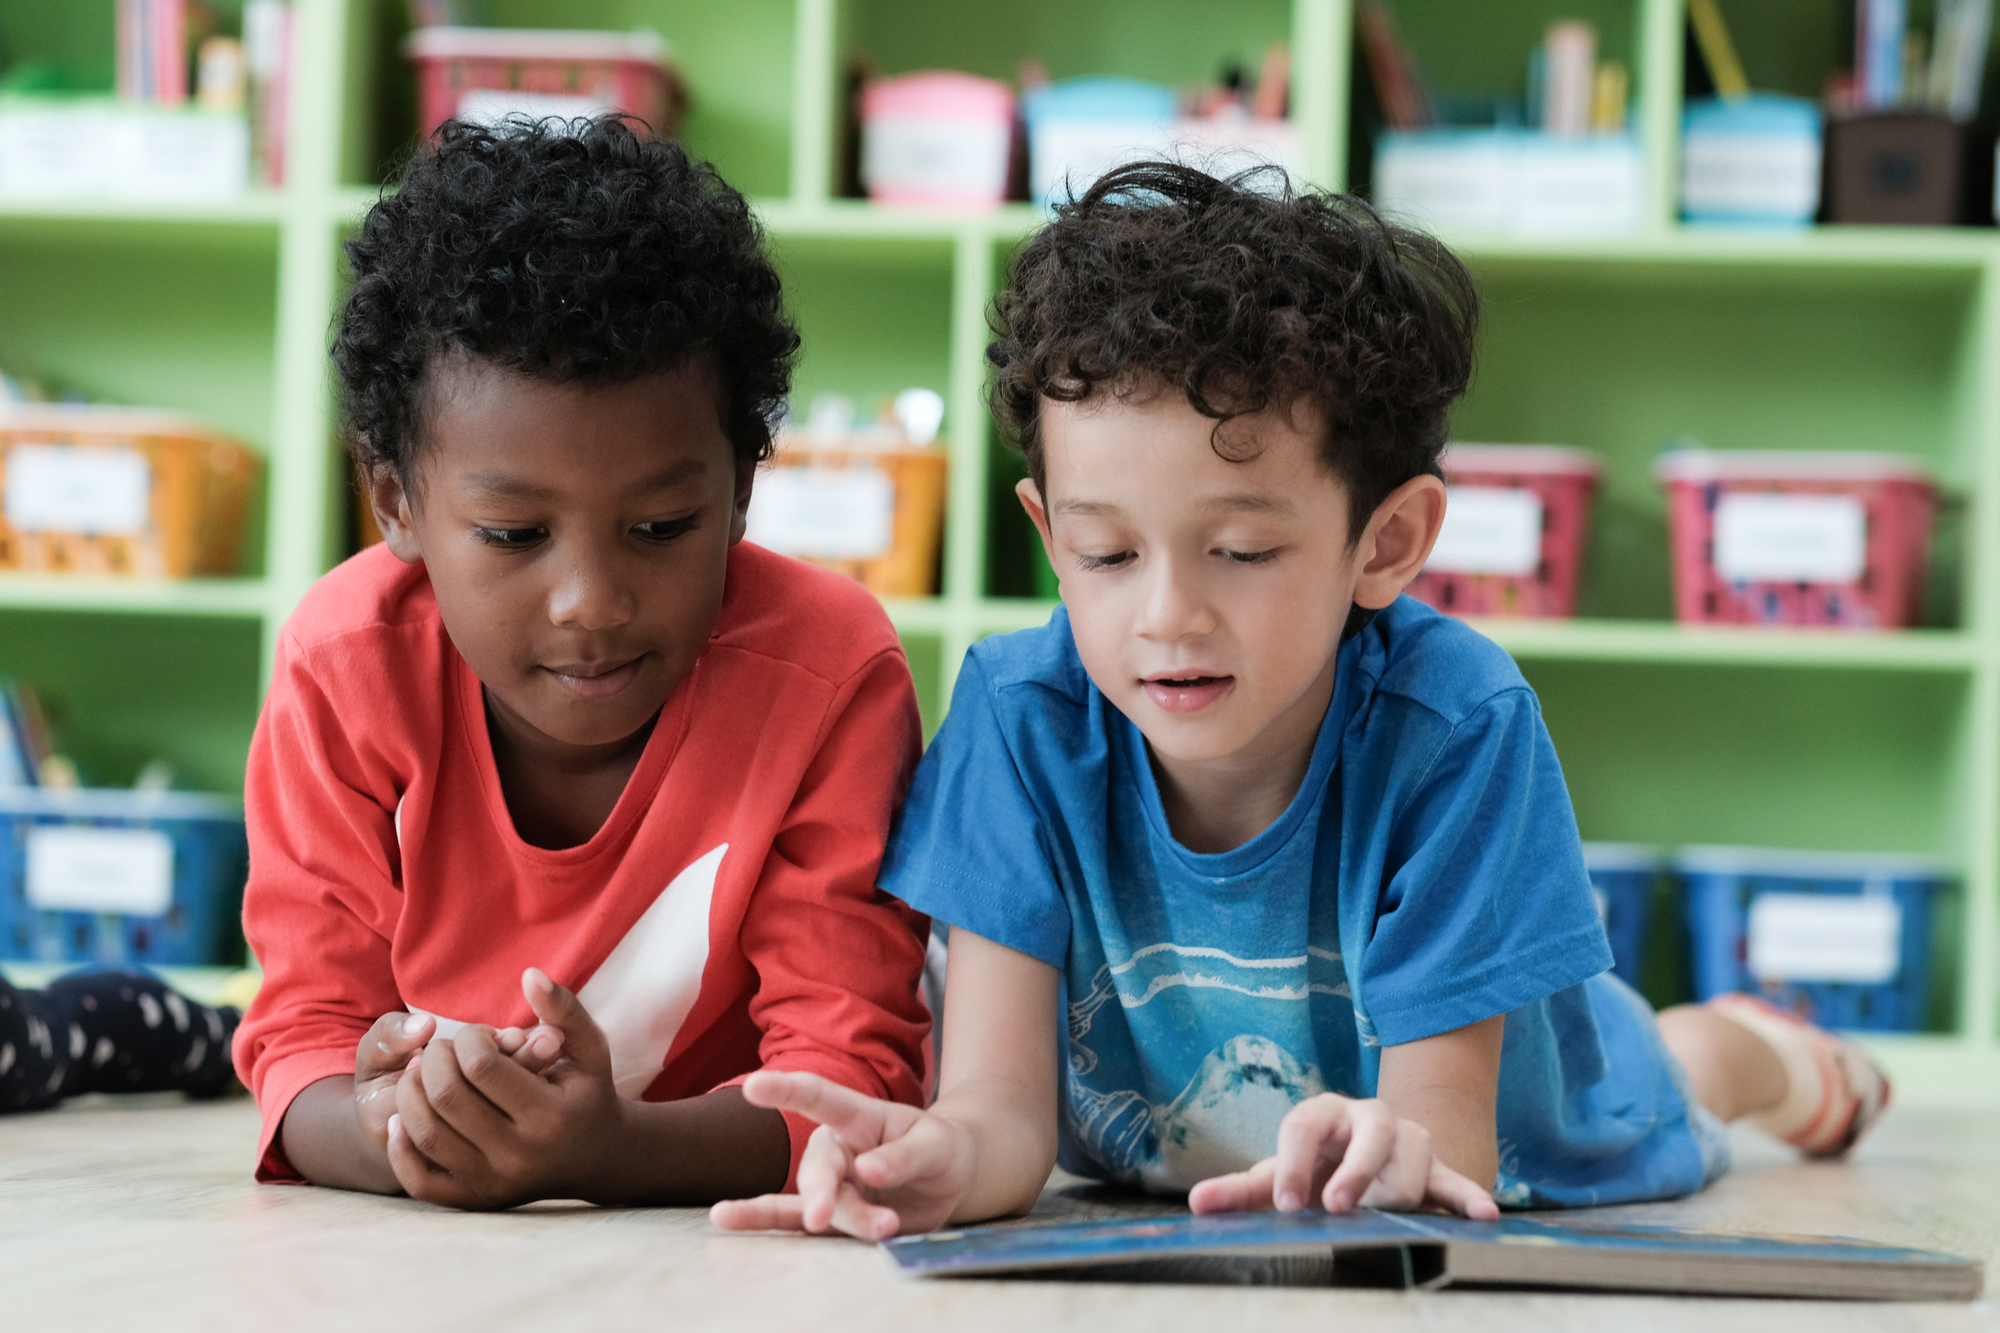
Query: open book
[(1367, 1248)]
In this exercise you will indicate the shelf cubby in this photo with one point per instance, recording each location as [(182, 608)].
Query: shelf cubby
[(123, 688)]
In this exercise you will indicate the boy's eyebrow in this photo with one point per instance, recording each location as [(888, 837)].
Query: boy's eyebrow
[(1087, 508), (506, 485), (1242, 502), (1248, 502)]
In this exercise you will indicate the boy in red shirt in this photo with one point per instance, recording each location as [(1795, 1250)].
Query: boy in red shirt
[(566, 807)]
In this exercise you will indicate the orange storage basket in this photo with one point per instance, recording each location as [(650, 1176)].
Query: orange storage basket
[(101, 490), (817, 500)]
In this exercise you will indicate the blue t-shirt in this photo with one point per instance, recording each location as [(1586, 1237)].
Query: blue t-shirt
[(1427, 875)]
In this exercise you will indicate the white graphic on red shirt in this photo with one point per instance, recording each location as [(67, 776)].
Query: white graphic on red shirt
[(642, 992)]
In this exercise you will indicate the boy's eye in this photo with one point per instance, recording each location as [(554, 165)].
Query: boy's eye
[(1112, 561), (1252, 557), (511, 539), (666, 529)]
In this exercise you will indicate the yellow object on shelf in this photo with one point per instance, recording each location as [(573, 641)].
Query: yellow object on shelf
[(122, 491)]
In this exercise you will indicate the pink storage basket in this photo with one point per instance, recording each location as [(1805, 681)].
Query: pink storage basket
[(483, 74), (1797, 537), (1514, 531), (937, 140)]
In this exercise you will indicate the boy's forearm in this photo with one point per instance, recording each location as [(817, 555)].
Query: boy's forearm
[(693, 1151), (1461, 1131), (1448, 1084), (1014, 1147), (324, 1141)]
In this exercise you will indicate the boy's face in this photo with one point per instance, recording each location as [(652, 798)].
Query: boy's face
[(1208, 596), (576, 536)]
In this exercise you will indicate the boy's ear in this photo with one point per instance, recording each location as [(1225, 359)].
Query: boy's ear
[(1031, 500), (739, 504), (1398, 540), (390, 504)]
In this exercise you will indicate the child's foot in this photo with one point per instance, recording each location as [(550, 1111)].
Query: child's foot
[(1836, 1092)]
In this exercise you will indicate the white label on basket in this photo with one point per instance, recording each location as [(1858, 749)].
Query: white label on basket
[(832, 513), (1817, 937), (82, 869), (56, 488), (1761, 538), (490, 106), (1489, 530)]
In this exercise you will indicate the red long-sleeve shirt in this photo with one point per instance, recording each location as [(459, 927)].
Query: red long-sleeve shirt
[(724, 919)]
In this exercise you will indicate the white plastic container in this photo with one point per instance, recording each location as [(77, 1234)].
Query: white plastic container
[(937, 139), (1080, 129), (1752, 162), (1511, 181), (69, 149)]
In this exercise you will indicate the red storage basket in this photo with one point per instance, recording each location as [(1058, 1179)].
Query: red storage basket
[(482, 73), (1797, 538), (1514, 531)]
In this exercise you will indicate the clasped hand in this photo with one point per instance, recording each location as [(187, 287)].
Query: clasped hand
[(876, 1169), (490, 1118)]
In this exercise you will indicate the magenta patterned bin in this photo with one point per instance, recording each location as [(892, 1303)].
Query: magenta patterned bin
[(1797, 538)]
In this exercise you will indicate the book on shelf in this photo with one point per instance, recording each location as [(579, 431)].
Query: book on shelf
[(1399, 86), (1718, 51)]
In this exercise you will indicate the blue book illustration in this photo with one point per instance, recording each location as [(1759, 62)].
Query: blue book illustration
[(1368, 1248)]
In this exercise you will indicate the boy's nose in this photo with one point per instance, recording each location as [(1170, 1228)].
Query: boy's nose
[(1175, 605), (589, 595)]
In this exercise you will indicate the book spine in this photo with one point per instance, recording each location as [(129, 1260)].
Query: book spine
[(31, 729), (1973, 27), (1569, 71), (14, 770), (128, 49), (170, 51), (1879, 59), (1718, 52), (267, 54)]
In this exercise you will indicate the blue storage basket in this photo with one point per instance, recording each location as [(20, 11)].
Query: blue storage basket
[(1871, 957), (1622, 873), (122, 877), (1118, 119)]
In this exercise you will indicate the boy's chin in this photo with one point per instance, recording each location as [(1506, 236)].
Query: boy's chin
[(1213, 734), (588, 724)]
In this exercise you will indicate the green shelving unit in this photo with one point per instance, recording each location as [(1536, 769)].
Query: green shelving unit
[(1837, 338)]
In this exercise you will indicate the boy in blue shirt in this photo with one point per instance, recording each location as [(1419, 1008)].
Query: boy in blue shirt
[(1263, 879)]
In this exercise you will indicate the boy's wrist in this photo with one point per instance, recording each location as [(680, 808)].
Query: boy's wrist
[(693, 1151), (326, 1139)]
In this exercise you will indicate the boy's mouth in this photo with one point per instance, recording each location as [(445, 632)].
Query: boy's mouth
[(596, 680), (1187, 692)]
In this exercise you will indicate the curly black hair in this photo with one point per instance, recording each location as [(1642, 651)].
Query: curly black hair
[(1245, 294), (584, 251)]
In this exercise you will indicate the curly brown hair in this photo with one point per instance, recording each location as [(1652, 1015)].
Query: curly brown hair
[(1245, 297)]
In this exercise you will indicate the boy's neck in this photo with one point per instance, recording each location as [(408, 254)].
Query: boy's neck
[(1217, 805), (558, 794)]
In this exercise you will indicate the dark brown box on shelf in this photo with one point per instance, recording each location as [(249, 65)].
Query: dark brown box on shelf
[(1908, 168)]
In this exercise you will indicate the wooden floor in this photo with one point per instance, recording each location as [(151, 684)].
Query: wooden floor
[(140, 1214)]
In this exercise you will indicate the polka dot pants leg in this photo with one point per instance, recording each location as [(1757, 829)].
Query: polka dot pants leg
[(109, 1032)]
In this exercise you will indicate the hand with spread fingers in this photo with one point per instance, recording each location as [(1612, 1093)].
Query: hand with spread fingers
[(1342, 1154), (491, 1119), (872, 1169)]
